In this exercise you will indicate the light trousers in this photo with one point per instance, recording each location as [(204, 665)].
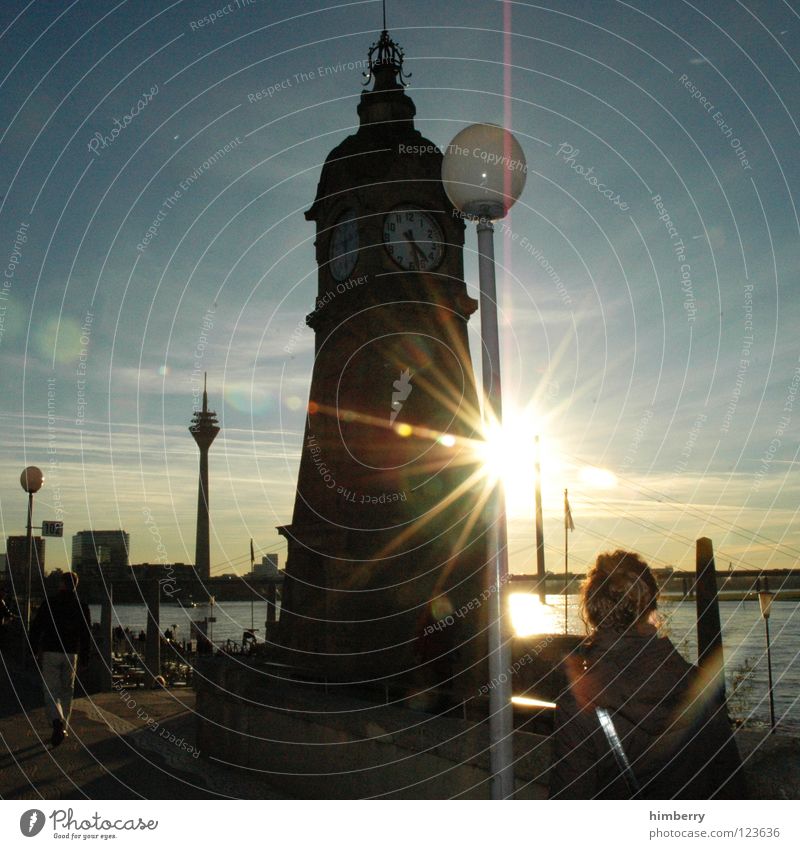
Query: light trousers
[(58, 678)]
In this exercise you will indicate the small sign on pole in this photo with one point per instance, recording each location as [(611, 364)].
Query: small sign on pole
[(52, 529)]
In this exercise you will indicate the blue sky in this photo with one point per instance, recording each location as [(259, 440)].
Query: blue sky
[(676, 368)]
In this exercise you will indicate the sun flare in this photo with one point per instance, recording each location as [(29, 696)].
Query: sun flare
[(598, 478), (509, 454)]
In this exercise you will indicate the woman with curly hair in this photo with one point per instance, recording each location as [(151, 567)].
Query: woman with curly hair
[(637, 720)]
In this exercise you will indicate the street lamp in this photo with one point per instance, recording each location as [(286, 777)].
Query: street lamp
[(765, 601), (31, 481), (483, 173)]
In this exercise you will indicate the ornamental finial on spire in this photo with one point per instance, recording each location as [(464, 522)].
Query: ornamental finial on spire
[(385, 53)]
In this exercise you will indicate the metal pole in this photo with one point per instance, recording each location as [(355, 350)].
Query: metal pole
[(501, 718), (27, 612), (566, 568), (769, 674), (539, 527), (152, 652), (106, 646)]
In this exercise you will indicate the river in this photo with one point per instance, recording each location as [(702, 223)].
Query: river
[(742, 632)]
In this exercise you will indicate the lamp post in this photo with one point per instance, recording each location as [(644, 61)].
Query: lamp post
[(483, 173), (765, 601), (31, 481)]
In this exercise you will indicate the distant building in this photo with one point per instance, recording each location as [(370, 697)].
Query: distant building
[(97, 554), (17, 561), (267, 568)]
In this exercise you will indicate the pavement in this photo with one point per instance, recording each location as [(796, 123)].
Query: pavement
[(127, 744)]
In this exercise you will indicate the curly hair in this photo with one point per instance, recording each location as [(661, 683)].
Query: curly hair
[(618, 592)]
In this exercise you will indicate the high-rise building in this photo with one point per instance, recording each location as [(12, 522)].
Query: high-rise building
[(204, 428), (267, 568), (97, 552)]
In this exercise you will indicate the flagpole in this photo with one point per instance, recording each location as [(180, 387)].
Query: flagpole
[(252, 600)]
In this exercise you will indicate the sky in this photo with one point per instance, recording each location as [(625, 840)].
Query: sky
[(647, 277)]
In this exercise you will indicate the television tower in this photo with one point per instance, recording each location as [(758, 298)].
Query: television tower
[(204, 428)]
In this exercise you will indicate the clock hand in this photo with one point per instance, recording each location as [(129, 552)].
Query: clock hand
[(421, 257)]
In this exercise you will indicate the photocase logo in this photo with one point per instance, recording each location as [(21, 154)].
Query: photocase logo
[(31, 822), (402, 389)]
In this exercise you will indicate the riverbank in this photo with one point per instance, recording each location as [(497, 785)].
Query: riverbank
[(138, 743)]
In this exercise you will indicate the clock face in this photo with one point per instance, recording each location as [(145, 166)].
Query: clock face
[(413, 239), (344, 245)]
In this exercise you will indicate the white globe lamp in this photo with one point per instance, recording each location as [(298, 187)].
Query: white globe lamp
[(484, 171)]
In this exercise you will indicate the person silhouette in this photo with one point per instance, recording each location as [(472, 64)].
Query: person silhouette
[(60, 637), (637, 720)]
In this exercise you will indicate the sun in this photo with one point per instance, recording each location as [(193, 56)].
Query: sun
[(508, 454)]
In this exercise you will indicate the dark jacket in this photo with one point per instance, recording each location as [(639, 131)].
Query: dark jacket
[(673, 726), (62, 624), (5, 613)]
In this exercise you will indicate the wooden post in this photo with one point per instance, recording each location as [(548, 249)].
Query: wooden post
[(709, 631), (152, 652), (106, 643)]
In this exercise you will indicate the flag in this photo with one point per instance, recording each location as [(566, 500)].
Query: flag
[(252, 554), (569, 525)]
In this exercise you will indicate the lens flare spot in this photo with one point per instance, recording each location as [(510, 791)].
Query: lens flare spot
[(63, 339), (447, 439), (598, 478), (441, 608), (163, 371), (313, 408), (294, 402), (247, 397), (403, 429)]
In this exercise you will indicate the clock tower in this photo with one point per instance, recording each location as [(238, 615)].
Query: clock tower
[(386, 548)]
